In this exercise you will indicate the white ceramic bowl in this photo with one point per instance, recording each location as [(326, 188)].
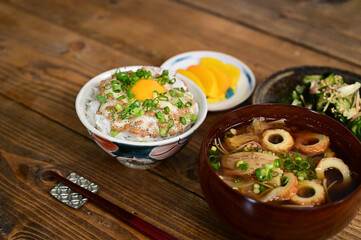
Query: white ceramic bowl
[(141, 155), (245, 85)]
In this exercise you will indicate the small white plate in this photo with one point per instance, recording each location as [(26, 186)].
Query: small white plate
[(245, 85)]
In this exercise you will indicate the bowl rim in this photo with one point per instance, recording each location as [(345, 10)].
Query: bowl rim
[(265, 81), (202, 105), (204, 152)]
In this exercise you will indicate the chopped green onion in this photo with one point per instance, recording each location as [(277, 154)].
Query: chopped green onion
[(254, 149), (166, 110), (134, 111), (237, 180), (161, 80), (172, 93), (277, 163), (283, 155), (260, 175), (162, 132), (114, 133), (311, 174), (287, 161), (212, 158), (213, 148), (160, 115), (284, 180), (137, 103), (121, 98), (140, 72), (163, 98), (180, 103), (130, 95), (108, 86), (257, 188), (155, 101), (291, 166), (118, 107), (162, 120), (101, 98), (193, 118), (271, 174), (170, 123), (172, 81), (124, 115), (149, 108), (180, 95), (238, 163), (268, 166), (303, 165), (243, 166), (147, 102), (109, 95), (301, 175), (188, 104), (116, 88), (215, 165), (183, 120)]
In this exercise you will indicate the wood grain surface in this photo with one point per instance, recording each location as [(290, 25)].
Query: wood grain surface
[(49, 49), (320, 25)]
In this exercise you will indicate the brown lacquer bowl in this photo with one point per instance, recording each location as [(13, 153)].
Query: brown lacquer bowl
[(257, 220)]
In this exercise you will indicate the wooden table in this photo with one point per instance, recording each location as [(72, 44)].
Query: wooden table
[(49, 49)]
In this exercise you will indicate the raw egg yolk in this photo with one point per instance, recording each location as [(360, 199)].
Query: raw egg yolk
[(144, 88)]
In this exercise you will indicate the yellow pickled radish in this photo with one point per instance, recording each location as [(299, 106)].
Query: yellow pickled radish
[(210, 61), (232, 72), (223, 81), (192, 77), (207, 79)]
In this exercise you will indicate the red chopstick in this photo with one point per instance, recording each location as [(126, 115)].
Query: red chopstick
[(142, 226)]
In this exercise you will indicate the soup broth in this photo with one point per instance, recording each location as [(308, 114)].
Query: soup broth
[(277, 163)]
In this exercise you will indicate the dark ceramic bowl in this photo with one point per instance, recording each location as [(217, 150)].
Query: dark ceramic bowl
[(257, 220), (280, 84)]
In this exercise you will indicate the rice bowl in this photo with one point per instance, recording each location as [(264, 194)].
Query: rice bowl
[(144, 120), (136, 151)]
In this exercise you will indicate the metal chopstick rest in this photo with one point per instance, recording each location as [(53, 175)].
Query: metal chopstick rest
[(68, 196)]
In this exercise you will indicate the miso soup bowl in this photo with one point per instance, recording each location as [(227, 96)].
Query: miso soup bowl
[(252, 219), (133, 154)]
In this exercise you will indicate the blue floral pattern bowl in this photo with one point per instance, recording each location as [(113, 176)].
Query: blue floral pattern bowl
[(139, 155)]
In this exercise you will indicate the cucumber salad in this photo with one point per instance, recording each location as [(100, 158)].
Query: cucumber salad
[(329, 94)]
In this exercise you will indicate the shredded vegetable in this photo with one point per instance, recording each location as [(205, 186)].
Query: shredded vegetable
[(329, 94)]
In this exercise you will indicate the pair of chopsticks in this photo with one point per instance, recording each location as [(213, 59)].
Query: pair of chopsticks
[(142, 226)]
